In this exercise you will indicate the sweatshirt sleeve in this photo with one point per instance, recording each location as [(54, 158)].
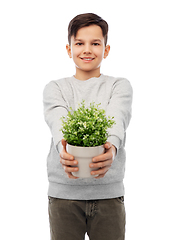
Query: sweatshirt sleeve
[(54, 108), (120, 107)]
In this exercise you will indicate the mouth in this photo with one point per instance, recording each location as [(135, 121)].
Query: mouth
[(87, 59)]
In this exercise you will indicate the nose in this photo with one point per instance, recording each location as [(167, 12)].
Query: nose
[(87, 49)]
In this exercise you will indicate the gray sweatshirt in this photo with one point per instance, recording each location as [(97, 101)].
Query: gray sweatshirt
[(115, 96)]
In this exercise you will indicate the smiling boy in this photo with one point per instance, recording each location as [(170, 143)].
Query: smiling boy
[(87, 50), (95, 206)]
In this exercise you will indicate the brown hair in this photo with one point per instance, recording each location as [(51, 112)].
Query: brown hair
[(84, 20)]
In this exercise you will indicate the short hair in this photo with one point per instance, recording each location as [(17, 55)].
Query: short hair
[(84, 20)]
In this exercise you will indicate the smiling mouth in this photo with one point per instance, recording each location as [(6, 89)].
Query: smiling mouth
[(87, 59)]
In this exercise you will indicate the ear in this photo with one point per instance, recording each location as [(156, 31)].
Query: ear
[(68, 48), (107, 50)]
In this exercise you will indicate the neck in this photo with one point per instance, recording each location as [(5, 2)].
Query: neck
[(83, 75)]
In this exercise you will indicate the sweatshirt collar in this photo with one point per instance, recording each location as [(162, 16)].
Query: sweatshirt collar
[(90, 79)]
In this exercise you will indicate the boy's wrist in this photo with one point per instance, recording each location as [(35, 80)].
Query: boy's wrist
[(115, 141), (114, 149)]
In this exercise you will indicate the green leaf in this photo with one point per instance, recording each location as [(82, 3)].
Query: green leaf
[(86, 126)]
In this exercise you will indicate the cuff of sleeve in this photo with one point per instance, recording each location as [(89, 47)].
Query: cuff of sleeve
[(59, 146), (115, 141)]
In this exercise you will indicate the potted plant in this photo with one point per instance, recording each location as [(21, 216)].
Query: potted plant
[(85, 131)]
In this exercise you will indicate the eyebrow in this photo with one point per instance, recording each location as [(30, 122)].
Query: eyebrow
[(80, 40), (96, 40)]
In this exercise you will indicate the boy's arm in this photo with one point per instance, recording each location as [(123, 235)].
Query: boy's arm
[(54, 108), (120, 107)]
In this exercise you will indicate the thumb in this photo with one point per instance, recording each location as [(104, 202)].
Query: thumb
[(64, 143), (107, 145)]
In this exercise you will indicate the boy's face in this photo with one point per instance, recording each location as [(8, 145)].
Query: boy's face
[(88, 50)]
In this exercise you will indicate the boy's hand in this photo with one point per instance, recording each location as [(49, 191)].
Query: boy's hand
[(67, 161), (103, 161)]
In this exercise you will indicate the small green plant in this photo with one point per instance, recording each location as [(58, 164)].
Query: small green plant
[(86, 126)]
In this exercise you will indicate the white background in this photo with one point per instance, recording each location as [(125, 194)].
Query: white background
[(32, 53)]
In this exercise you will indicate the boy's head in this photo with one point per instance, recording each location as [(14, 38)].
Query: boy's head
[(85, 20), (87, 36)]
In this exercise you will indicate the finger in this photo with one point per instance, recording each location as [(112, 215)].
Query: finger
[(70, 169), (64, 154), (100, 176), (103, 157), (71, 176), (68, 162), (100, 171), (101, 164), (107, 145), (64, 143)]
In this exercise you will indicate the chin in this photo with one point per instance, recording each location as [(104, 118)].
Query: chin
[(87, 69)]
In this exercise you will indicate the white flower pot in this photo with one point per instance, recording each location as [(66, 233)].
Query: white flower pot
[(84, 157)]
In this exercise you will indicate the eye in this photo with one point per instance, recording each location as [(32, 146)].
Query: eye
[(96, 44), (79, 44)]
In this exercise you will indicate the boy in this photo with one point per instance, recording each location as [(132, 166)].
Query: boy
[(95, 206)]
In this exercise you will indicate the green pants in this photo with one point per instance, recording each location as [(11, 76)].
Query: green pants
[(101, 219)]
